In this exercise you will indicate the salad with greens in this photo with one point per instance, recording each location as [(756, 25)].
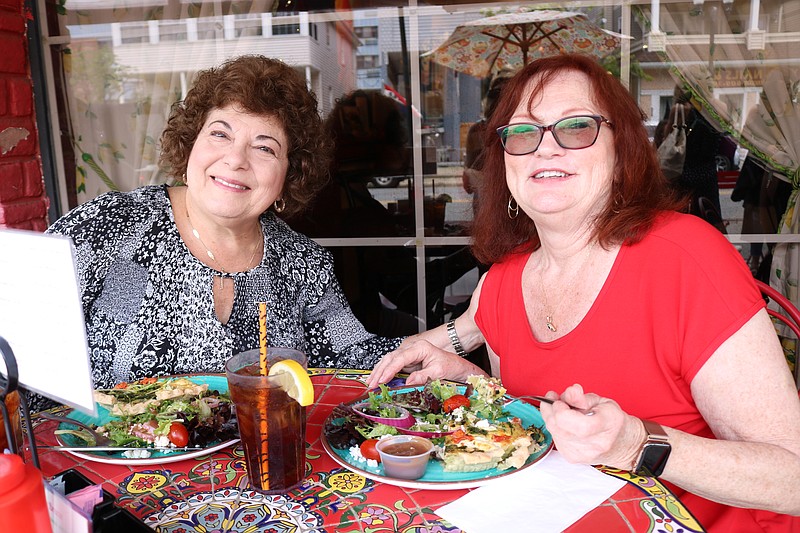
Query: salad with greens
[(434, 411), (164, 413), (466, 423)]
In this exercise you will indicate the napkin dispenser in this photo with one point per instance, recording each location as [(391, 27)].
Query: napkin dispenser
[(107, 517)]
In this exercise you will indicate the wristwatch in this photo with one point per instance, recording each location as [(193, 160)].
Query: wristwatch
[(655, 451)]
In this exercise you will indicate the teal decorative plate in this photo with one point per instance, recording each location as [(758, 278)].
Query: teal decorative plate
[(435, 477)]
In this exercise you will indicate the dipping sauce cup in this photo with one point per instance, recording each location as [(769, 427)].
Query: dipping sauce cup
[(404, 456), (272, 425)]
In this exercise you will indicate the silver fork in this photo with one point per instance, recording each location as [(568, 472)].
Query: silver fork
[(587, 412), (99, 440)]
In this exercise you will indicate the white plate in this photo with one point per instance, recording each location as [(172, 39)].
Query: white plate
[(158, 458), (215, 382), (435, 477)]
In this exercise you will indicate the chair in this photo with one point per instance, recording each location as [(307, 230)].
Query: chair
[(788, 315)]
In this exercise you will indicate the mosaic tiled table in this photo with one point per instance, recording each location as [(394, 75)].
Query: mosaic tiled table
[(210, 493)]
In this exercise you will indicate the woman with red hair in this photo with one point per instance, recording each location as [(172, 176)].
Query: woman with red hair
[(601, 293)]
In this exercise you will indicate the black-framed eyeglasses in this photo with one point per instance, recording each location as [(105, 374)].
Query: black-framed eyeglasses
[(573, 133)]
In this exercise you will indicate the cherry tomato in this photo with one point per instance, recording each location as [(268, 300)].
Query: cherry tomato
[(178, 434), (369, 451), (454, 402)]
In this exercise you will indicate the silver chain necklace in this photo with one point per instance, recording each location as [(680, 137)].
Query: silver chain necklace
[(550, 312), (211, 255)]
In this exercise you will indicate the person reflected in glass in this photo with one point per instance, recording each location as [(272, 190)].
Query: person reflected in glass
[(370, 141), (170, 276), (698, 181), (472, 177), (764, 197), (604, 297)]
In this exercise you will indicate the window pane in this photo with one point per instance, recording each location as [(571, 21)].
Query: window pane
[(408, 139)]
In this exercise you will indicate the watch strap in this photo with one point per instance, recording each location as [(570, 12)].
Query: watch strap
[(454, 340)]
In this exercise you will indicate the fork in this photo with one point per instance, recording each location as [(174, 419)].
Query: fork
[(99, 440), (587, 412)]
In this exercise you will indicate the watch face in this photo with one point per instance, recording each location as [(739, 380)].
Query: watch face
[(654, 458)]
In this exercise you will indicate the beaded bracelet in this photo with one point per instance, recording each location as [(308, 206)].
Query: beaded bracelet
[(454, 340)]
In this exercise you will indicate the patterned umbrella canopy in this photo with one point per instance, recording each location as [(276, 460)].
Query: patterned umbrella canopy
[(511, 40)]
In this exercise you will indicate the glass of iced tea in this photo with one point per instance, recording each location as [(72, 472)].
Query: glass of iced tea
[(272, 425)]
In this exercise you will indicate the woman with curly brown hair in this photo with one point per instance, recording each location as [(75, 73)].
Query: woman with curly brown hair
[(606, 299), (171, 276)]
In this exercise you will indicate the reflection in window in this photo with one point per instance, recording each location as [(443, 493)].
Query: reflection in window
[(172, 30), (367, 34), (367, 61), (286, 29), (127, 66)]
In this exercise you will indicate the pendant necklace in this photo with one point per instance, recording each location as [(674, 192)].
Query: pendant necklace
[(550, 312), (211, 256)]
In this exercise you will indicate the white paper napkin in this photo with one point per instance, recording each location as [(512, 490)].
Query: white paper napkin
[(547, 497)]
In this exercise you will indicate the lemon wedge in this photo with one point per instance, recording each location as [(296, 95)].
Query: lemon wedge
[(294, 380)]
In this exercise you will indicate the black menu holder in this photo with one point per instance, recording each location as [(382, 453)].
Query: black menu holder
[(9, 384)]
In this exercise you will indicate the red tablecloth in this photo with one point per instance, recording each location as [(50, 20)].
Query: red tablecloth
[(210, 493)]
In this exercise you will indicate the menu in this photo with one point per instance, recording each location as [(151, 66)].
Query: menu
[(41, 317)]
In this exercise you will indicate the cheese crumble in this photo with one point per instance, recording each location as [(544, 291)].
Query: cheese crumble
[(355, 451)]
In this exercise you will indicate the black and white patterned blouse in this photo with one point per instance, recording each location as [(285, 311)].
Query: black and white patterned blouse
[(148, 301)]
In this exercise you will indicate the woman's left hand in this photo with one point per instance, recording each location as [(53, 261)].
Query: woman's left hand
[(424, 361), (607, 436)]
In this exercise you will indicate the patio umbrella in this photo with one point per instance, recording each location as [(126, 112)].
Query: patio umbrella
[(509, 41)]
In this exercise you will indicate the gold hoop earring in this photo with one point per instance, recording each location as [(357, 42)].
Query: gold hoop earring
[(615, 204), (513, 208), (279, 205)]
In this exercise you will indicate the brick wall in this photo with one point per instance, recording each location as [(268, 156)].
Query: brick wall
[(23, 203)]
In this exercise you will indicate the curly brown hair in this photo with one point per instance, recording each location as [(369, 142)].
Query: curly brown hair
[(639, 190), (261, 86)]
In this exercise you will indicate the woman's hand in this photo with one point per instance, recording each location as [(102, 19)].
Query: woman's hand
[(426, 356), (608, 436), (424, 361)]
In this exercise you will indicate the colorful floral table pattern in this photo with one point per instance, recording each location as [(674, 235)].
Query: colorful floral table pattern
[(210, 494)]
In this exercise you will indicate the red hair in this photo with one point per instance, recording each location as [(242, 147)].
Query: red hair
[(639, 190)]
